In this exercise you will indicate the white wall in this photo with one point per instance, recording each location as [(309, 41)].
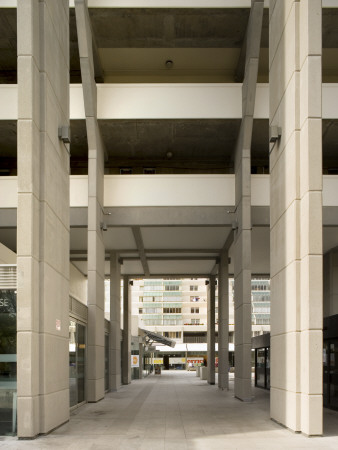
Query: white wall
[(77, 284)]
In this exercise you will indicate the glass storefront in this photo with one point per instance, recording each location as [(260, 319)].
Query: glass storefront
[(330, 375), (77, 362), (106, 362), (8, 377), (262, 367)]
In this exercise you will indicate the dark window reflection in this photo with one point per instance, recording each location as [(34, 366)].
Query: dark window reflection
[(8, 375)]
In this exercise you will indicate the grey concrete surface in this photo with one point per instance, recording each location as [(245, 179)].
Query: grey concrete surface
[(177, 410)]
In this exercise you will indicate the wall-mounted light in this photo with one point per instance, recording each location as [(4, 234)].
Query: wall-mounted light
[(103, 226), (64, 134), (275, 134)]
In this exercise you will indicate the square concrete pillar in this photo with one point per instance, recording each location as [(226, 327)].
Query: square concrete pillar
[(126, 342), (296, 215), (96, 249), (115, 325), (43, 217), (223, 322), (242, 213), (211, 293)]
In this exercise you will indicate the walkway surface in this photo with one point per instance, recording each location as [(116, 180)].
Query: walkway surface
[(176, 410)]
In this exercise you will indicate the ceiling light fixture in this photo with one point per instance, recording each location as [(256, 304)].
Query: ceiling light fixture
[(169, 64)]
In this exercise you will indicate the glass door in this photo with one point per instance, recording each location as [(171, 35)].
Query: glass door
[(8, 379), (326, 373), (334, 374), (77, 362)]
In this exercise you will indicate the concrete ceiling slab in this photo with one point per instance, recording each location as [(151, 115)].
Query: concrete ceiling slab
[(181, 267), (194, 146), (131, 268), (184, 237), (119, 238)]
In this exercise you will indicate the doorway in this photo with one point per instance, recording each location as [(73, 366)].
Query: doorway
[(330, 373), (77, 362)]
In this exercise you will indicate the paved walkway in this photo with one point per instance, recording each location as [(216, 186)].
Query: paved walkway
[(176, 410)]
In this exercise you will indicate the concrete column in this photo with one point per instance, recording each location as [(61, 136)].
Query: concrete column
[(330, 282), (223, 322), (242, 240), (141, 361), (211, 330), (43, 217), (126, 342), (115, 323), (96, 250), (296, 215)]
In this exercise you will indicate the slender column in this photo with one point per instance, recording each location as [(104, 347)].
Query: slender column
[(296, 215), (211, 330), (43, 217), (242, 243), (140, 374), (115, 325), (223, 322), (96, 250), (126, 342)]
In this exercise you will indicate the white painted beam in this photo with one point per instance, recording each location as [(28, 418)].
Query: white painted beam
[(163, 101), (168, 3), (167, 190)]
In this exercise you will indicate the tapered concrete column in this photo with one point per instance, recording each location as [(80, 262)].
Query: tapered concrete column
[(242, 242), (115, 323), (211, 330), (126, 342), (223, 322), (43, 217), (96, 250), (330, 282), (296, 215)]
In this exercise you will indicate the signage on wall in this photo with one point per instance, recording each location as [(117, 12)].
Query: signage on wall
[(135, 361), (158, 361), (7, 301)]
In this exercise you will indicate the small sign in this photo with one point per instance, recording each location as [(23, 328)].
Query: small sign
[(158, 361), (135, 362), (58, 325)]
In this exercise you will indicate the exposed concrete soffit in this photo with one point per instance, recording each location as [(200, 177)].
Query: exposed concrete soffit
[(140, 247)]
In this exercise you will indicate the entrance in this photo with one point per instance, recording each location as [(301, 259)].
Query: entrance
[(77, 362), (330, 375), (166, 362)]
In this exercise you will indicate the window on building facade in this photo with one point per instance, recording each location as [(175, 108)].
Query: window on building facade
[(172, 334), (194, 287), (194, 299), (195, 310), (140, 310), (172, 310), (195, 321), (171, 287)]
